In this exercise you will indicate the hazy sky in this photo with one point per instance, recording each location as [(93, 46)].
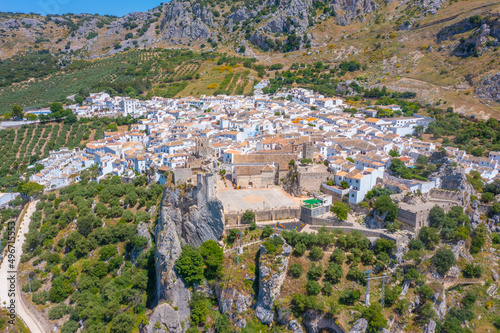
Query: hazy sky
[(112, 7)]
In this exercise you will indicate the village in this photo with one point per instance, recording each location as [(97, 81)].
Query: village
[(273, 153)]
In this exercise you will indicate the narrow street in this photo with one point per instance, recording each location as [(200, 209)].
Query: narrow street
[(9, 269)]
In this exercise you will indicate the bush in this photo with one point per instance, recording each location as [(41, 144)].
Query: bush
[(316, 253), (70, 326), (295, 270)]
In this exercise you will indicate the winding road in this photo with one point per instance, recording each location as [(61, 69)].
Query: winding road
[(9, 269)]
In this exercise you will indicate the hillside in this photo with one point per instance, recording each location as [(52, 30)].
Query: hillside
[(446, 52)]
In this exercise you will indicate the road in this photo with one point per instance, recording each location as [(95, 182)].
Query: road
[(29, 318)]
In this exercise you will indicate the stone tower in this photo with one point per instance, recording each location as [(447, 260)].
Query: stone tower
[(202, 148), (307, 150), (206, 189)]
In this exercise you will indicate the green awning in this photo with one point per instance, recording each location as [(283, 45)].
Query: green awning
[(312, 201)]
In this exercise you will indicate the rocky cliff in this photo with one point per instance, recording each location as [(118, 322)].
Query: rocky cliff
[(181, 222), (272, 272)]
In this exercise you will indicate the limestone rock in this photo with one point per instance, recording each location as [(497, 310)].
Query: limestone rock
[(272, 272), (165, 319), (285, 318), (169, 286), (359, 326), (142, 230), (431, 327), (494, 274), (234, 303)]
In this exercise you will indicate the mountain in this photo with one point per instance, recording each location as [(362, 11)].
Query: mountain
[(444, 51)]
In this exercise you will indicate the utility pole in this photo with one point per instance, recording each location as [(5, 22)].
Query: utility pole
[(368, 278)]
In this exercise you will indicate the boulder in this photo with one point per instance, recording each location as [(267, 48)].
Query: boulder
[(359, 326)]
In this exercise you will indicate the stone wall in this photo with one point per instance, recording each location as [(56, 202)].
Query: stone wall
[(265, 215), (311, 181), (368, 233), (182, 175)]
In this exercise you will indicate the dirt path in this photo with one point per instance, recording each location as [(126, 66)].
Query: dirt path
[(9, 270)]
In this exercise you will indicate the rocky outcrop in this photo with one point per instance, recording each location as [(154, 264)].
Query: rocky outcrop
[(315, 322), (359, 326), (347, 11), (272, 272), (234, 303), (185, 23), (285, 318), (489, 87), (485, 35), (142, 230), (169, 286), (195, 222), (455, 179), (188, 215), (430, 327)]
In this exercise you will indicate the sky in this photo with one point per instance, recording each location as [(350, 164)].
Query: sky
[(111, 7)]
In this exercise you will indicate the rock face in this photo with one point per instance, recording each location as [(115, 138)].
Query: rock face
[(169, 286), (360, 326), (270, 280), (431, 327), (489, 87), (485, 35), (233, 302), (318, 322), (189, 215), (285, 318), (186, 23), (348, 11), (454, 178), (142, 230)]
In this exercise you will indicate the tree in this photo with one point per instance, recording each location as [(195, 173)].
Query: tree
[(248, 217), (316, 253), (391, 295), (17, 112), (222, 324), (131, 198), (436, 216), (478, 238), (334, 272), (267, 231), (313, 287), (472, 271), (394, 153), (373, 314), (337, 256), (199, 307), (213, 257), (315, 272), (429, 237), (443, 260), (31, 189), (295, 270), (384, 204), (418, 130), (299, 250), (349, 296), (190, 265), (123, 323), (341, 210)]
